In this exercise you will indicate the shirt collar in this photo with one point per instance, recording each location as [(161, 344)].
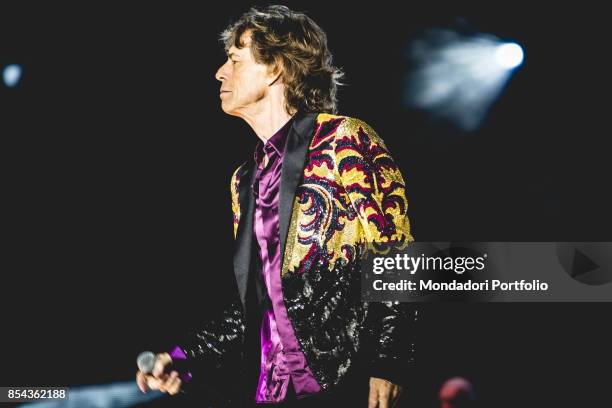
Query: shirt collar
[(276, 142)]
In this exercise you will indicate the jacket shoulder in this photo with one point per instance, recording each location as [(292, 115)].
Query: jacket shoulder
[(348, 129)]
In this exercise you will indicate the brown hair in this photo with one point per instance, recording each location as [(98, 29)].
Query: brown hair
[(293, 41)]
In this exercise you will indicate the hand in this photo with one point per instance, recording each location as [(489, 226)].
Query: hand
[(159, 379), (383, 393)]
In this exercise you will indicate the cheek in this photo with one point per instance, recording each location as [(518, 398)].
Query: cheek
[(251, 87)]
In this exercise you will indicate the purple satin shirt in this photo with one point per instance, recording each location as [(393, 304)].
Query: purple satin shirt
[(282, 361)]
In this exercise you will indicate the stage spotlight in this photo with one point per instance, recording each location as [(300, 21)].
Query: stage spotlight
[(11, 75), (457, 77), (509, 55)]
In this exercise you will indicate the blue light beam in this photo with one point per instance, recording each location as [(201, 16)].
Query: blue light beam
[(456, 77)]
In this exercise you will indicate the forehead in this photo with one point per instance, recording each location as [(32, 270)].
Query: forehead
[(245, 40)]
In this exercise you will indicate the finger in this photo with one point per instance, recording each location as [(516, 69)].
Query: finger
[(163, 383), (152, 382), (168, 381), (373, 397), (397, 391), (383, 399), (141, 382), (175, 385), (159, 367)]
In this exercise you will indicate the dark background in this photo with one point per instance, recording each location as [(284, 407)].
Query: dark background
[(116, 160)]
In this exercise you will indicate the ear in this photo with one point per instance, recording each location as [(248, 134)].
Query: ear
[(275, 72)]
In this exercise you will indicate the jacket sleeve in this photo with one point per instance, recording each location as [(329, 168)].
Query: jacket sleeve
[(213, 354), (213, 350), (376, 190), (217, 340)]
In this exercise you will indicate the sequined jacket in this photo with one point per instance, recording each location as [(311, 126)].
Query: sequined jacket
[(340, 190)]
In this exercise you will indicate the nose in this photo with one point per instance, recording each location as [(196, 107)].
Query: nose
[(222, 73)]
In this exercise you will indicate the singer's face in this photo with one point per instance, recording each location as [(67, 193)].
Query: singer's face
[(244, 82)]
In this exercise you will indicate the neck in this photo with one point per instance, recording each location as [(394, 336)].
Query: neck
[(267, 124), (267, 119)]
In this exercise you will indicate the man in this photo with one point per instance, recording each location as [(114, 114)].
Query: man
[(319, 189)]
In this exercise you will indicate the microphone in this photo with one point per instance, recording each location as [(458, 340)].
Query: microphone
[(146, 362), (147, 359)]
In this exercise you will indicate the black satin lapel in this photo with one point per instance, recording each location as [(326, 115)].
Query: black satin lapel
[(292, 170), (244, 234)]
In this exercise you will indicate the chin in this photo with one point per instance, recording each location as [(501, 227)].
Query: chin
[(225, 108), (230, 110)]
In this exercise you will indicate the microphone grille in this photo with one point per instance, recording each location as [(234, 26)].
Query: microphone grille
[(146, 362)]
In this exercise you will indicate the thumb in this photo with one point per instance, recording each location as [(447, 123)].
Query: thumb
[(161, 361)]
